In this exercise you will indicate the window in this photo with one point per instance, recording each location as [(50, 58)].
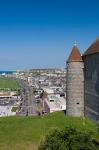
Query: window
[(77, 103)]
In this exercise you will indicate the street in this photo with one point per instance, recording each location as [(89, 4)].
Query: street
[(28, 106)]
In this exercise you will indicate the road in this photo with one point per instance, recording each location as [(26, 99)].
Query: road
[(28, 105)]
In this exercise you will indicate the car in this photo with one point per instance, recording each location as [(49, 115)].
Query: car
[(44, 111), (37, 96), (37, 101)]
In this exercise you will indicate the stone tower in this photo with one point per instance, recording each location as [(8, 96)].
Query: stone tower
[(75, 84)]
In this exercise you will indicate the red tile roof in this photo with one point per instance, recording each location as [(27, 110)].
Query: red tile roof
[(75, 55), (94, 48)]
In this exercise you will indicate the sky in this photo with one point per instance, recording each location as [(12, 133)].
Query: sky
[(41, 33)]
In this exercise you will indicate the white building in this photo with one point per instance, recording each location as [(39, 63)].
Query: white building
[(54, 103)]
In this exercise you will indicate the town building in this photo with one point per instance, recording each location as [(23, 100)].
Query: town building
[(52, 102)]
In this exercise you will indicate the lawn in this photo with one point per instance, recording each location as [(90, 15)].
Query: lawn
[(25, 133), (8, 83)]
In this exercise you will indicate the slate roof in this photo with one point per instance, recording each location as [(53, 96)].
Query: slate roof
[(94, 48)]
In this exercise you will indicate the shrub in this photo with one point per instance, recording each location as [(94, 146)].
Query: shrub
[(68, 139), (14, 109)]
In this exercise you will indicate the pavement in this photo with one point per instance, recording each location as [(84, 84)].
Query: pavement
[(28, 106)]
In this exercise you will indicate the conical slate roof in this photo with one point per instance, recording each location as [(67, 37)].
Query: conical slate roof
[(94, 48), (74, 55)]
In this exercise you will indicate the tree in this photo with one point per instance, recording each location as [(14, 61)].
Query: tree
[(68, 139)]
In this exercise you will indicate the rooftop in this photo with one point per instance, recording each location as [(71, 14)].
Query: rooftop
[(74, 55), (94, 48)]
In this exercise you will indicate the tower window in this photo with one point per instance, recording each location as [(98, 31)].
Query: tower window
[(77, 103)]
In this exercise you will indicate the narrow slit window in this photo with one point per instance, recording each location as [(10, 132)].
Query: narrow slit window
[(77, 103)]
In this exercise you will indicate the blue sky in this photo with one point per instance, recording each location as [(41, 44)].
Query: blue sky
[(41, 33)]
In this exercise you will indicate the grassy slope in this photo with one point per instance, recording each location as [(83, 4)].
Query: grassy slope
[(8, 83), (25, 133)]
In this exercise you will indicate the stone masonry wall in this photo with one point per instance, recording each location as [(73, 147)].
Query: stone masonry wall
[(75, 89), (92, 86)]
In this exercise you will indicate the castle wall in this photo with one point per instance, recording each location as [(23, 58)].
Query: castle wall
[(75, 89), (91, 63)]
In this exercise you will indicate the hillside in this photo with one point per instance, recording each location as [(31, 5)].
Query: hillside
[(25, 133)]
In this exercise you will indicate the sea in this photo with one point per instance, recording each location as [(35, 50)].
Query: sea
[(7, 72)]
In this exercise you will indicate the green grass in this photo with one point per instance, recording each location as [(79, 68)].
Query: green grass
[(8, 83), (25, 133)]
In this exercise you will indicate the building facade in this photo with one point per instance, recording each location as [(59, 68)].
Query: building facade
[(87, 98), (91, 75)]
